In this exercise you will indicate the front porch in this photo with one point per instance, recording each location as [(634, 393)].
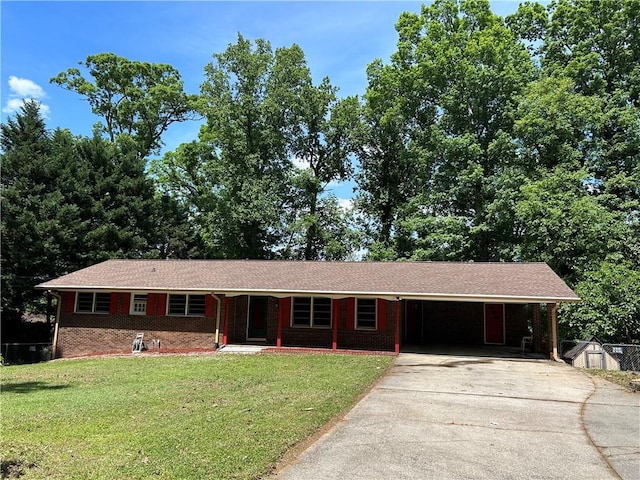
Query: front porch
[(399, 325)]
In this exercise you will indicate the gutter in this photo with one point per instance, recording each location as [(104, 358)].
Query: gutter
[(54, 346), (218, 309), (554, 333)]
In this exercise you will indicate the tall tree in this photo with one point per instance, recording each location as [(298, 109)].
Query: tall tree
[(386, 177), (40, 220), (578, 134), (139, 99), (322, 141), (450, 94), (247, 103)]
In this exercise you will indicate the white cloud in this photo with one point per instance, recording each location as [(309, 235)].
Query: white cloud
[(299, 163), (24, 90), (23, 87), (13, 104), (345, 204)]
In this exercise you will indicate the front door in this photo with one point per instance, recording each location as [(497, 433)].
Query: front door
[(257, 321), (494, 323)]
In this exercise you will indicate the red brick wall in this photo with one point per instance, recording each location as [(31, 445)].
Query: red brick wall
[(87, 333), (445, 322)]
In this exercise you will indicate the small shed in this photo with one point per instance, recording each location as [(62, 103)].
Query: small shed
[(590, 354)]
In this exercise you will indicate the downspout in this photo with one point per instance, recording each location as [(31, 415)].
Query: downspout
[(554, 333), (218, 308), (54, 346)]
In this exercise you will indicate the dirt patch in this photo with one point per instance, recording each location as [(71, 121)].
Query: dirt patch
[(13, 468)]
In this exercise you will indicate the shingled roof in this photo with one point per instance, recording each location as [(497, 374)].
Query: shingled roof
[(451, 281)]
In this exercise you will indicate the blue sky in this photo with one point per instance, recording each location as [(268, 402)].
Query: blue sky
[(40, 39)]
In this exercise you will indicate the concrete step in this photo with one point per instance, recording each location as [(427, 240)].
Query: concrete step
[(244, 349)]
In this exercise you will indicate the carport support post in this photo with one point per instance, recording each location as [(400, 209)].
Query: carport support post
[(280, 321), (397, 346), (225, 330), (552, 315)]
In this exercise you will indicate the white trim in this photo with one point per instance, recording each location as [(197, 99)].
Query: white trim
[(131, 304), (504, 323), (375, 315), (186, 305), (312, 323), (446, 297), (93, 303)]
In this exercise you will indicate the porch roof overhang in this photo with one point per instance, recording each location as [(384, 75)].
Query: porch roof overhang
[(436, 281)]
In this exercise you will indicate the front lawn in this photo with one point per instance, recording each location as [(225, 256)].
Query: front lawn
[(215, 416)]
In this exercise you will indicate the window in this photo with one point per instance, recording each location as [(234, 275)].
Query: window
[(139, 304), (186, 304), (366, 313), (311, 312), (93, 302)]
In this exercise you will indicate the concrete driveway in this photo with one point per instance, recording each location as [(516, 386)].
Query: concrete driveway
[(477, 417)]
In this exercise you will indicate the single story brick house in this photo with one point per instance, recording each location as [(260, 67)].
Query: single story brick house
[(191, 304)]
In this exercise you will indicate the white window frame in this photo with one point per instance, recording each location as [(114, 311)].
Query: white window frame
[(312, 323), (187, 305), (134, 304), (93, 303), (375, 315)]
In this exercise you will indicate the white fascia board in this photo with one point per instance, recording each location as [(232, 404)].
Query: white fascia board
[(392, 296)]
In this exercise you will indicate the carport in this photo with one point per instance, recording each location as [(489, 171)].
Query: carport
[(495, 322)]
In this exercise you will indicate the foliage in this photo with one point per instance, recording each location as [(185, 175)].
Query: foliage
[(220, 416), (448, 97), (67, 202), (138, 99), (610, 307), (34, 209)]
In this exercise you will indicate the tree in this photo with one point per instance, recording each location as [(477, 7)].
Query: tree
[(40, 220), (566, 227), (247, 103), (139, 99), (120, 207), (386, 177), (448, 102), (323, 139), (28, 207), (176, 235), (610, 306)]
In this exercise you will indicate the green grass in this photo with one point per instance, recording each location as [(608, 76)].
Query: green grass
[(217, 416)]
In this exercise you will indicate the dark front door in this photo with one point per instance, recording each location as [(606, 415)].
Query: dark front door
[(257, 322), (494, 323)]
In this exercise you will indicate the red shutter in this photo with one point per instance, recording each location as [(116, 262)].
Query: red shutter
[(336, 307), (70, 302), (113, 307), (284, 308), (151, 304), (126, 303), (382, 315), (351, 313), (208, 306), (161, 306)]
